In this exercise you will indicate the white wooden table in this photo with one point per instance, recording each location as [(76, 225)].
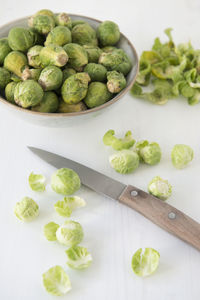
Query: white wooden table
[(112, 232)]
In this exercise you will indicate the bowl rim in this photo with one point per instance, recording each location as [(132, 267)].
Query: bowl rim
[(85, 112)]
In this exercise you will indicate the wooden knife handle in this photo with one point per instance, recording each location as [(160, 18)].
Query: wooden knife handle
[(162, 214)]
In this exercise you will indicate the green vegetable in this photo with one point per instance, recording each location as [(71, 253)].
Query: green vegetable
[(93, 53), (53, 55), (43, 24), (33, 55), (118, 144), (60, 35), (181, 155), (78, 257), (116, 82), (70, 233), (160, 188), (51, 78), (97, 94), (4, 49), (4, 77), (56, 281), (124, 161), (15, 62), (26, 210), (145, 263), (48, 104), (50, 231), (65, 181), (31, 74), (37, 182), (108, 33), (65, 207), (96, 72), (78, 57), (84, 34), (149, 153), (63, 19), (67, 72), (20, 39), (70, 108), (9, 91)]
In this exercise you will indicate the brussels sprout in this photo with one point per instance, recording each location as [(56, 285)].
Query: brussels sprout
[(149, 153), (108, 49), (77, 56), (28, 93), (43, 24), (118, 144), (51, 78), (33, 55), (181, 155), (160, 188), (50, 231), (70, 233), (97, 94), (108, 33), (53, 55), (67, 72), (4, 77), (78, 22), (116, 60), (37, 182), (65, 207), (75, 88), (84, 34), (56, 281), (49, 103), (31, 74), (4, 49), (124, 161), (78, 258), (65, 181), (116, 82), (20, 39), (39, 39), (15, 62), (44, 12), (9, 91), (60, 35), (96, 72), (93, 53), (145, 263), (26, 210), (70, 108), (63, 19)]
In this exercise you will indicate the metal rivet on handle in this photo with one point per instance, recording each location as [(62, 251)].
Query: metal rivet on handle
[(172, 215), (134, 193)]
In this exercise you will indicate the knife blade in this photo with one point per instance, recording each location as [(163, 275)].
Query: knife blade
[(162, 214)]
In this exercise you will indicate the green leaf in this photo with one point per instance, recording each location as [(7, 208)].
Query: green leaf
[(50, 231), (145, 263), (65, 207), (118, 144), (78, 257), (37, 182)]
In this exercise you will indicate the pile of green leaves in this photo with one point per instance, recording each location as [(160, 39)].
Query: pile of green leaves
[(172, 71)]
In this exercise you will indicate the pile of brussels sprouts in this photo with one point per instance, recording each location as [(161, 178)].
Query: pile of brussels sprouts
[(62, 65)]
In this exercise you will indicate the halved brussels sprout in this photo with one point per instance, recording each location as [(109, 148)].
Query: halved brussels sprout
[(160, 188)]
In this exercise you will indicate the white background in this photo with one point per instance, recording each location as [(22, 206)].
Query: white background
[(112, 232)]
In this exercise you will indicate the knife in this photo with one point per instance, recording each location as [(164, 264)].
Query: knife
[(162, 214)]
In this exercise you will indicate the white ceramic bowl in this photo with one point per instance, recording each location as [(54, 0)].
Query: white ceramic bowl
[(67, 119)]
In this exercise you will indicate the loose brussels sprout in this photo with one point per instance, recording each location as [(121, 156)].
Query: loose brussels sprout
[(20, 39), (116, 60), (65, 181), (9, 91), (63, 19), (67, 72), (26, 210), (160, 188), (97, 94), (118, 144), (78, 258), (65, 207), (70, 108), (93, 53), (144, 264), (108, 49), (116, 82), (124, 161), (33, 55), (4, 49), (75, 88), (108, 33), (49, 103), (51, 78), (15, 62), (70, 233), (60, 35), (28, 93), (77, 56), (181, 155), (84, 34), (31, 74), (96, 72), (37, 182), (78, 22), (50, 231), (53, 55), (56, 281), (149, 153), (43, 24), (4, 77)]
